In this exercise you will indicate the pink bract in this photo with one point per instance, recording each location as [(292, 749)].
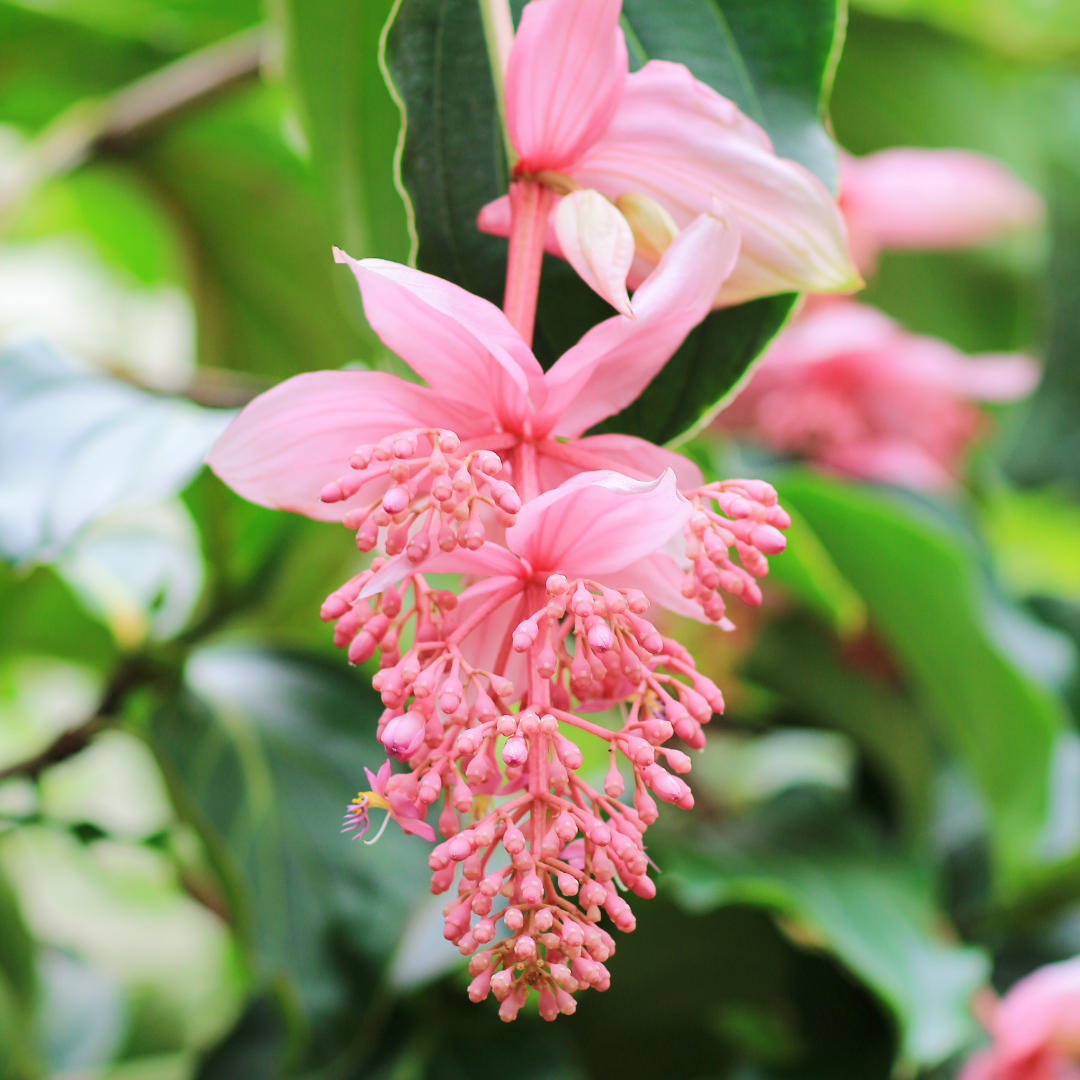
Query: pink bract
[(847, 387), (483, 382), (910, 198), (1035, 1030), (572, 108)]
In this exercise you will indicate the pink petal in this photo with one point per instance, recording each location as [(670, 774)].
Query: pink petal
[(908, 198), (417, 828), (660, 578), (679, 141), (384, 776), (290, 442), (616, 360), (463, 346), (597, 522), (483, 644), (627, 454), (1039, 1011), (838, 327), (564, 80), (597, 242), (895, 461), (488, 560)]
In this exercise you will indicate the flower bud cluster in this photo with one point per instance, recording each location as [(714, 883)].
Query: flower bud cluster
[(434, 477), (746, 517)]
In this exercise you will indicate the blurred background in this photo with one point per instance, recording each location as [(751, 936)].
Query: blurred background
[(888, 813)]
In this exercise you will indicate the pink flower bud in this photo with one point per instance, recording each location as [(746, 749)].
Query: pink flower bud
[(484, 930), (547, 662), (404, 735), (599, 634), (513, 918), (646, 634), (613, 782), (557, 585), (442, 879), (690, 732), (509, 1009), (565, 827), (513, 840), (515, 751), (525, 947), (569, 752), (532, 889), (549, 1007), (501, 982), (525, 635), (480, 986), (567, 1005), (492, 883)]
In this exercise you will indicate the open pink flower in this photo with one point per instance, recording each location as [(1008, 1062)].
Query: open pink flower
[(909, 198), (847, 387), (1035, 1029), (662, 146), (396, 795), (483, 382)]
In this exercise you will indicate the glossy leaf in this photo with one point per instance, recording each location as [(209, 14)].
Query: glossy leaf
[(796, 661), (775, 63), (926, 606), (843, 890), (264, 754), (75, 446)]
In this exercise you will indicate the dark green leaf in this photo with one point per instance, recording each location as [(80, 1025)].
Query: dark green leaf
[(17, 990), (1048, 445), (844, 890), (255, 1049), (795, 660), (926, 605), (775, 61), (264, 754)]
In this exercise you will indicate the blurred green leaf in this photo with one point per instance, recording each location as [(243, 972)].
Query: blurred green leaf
[(922, 589), (806, 569), (1036, 29), (842, 889), (1035, 537), (255, 1049), (776, 63), (1047, 446), (258, 236), (75, 446), (264, 754), (47, 65), (18, 990), (795, 660), (174, 25), (351, 121)]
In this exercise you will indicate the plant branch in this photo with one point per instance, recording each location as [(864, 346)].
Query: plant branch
[(131, 112), (133, 672)]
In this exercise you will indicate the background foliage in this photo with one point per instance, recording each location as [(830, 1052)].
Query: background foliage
[(888, 813)]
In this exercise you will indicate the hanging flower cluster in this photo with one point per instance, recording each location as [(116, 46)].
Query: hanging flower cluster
[(565, 541)]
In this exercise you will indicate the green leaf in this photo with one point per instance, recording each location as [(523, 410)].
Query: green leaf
[(841, 888), (796, 661), (806, 569), (174, 25), (76, 446), (925, 595), (351, 121), (775, 61), (268, 295), (1032, 29), (18, 989), (264, 754), (1047, 447)]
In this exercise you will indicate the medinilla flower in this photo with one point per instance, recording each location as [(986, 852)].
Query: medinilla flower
[(556, 615), (661, 147), (847, 387), (1035, 1029), (290, 447), (929, 199), (394, 794)]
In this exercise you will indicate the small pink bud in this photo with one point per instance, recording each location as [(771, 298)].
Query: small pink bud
[(557, 585), (582, 602), (513, 918), (515, 751), (548, 724), (509, 1009), (525, 635), (501, 982), (491, 884), (448, 442), (513, 840), (441, 880), (484, 930), (549, 1007), (562, 976), (525, 947), (567, 1005), (532, 889), (506, 725), (568, 884), (768, 540), (547, 662), (565, 827), (484, 833), (480, 986), (599, 634), (613, 782)]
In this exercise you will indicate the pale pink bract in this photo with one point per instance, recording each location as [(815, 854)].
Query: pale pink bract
[(1035, 1029), (573, 109)]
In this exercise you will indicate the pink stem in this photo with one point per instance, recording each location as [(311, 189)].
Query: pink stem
[(530, 207)]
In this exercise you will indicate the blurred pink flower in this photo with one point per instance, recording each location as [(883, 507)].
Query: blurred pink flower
[(290, 444), (847, 387), (667, 143), (910, 198), (1035, 1029)]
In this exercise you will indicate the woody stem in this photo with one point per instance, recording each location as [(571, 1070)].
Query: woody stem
[(530, 207)]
